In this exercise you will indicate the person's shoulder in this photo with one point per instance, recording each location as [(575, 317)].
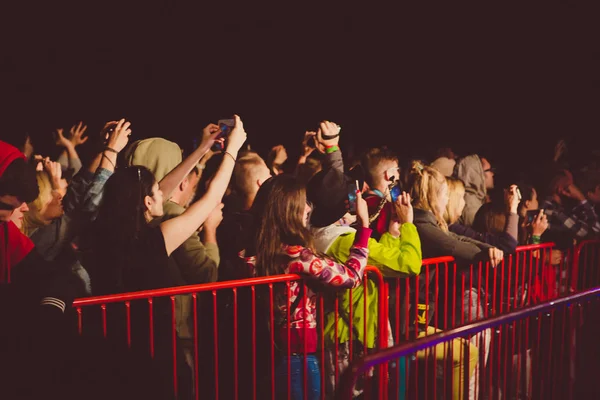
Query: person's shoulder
[(172, 209)]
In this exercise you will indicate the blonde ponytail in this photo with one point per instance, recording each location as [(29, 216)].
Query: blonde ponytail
[(425, 184)]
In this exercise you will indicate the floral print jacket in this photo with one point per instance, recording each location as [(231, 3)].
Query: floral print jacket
[(302, 261)]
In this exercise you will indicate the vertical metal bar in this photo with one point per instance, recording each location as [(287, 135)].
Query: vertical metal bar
[(368, 382), (196, 384), (103, 307), (446, 298), (174, 343), (216, 342), (519, 359), (235, 343), (462, 300), (502, 275), (322, 325), (254, 383), (305, 358), (272, 322), (469, 311), (79, 321), (128, 318), (494, 291), (336, 306), (288, 318), (151, 318), (487, 290), (454, 298), (529, 286), (407, 307), (550, 346)]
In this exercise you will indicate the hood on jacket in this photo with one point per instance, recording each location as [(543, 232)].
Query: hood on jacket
[(159, 155), (14, 246), (470, 170), (8, 154), (324, 237)]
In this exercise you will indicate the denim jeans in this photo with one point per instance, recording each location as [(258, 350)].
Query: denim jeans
[(313, 377)]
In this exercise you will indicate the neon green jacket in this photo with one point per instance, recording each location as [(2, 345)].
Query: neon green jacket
[(395, 257)]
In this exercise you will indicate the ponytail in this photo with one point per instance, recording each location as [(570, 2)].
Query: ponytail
[(425, 184)]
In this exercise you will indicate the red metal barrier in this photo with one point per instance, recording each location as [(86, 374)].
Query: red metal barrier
[(586, 266), (543, 351), (445, 295), (241, 314)]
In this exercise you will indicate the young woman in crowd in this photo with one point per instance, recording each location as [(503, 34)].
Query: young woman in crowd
[(429, 189), (281, 244)]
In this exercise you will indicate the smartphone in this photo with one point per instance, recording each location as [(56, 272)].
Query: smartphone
[(352, 189), (531, 215), (225, 127), (395, 193)]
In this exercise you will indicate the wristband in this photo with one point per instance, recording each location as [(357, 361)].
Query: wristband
[(331, 149), (111, 150), (536, 239), (229, 154)]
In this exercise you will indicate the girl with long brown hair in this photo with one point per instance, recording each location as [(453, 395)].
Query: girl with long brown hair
[(281, 244)]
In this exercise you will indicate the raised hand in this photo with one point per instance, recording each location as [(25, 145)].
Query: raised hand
[(327, 128), (512, 198), (77, 132), (496, 256), (404, 208), (61, 140), (208, 135), (307, 149), (119, 136), (53, 169), (280, 154), (539, 224), (237, 137), (559, 149)]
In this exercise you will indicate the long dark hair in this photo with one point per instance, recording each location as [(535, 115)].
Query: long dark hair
[(277, 214), (120, 222)]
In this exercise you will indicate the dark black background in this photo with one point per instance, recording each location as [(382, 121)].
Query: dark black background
[(505, 80)]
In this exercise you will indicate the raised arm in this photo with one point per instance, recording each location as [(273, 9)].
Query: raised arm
[(177, 230), (174, 178)]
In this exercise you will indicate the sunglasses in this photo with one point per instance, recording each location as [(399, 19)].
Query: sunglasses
[(6, 207)]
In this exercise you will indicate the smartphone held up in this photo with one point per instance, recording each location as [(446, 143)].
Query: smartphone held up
[(225, 128)]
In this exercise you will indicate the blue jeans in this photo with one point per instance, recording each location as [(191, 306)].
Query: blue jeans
[(313, 378)]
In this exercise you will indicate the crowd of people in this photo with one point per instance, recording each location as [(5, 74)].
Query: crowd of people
[(139, 215)]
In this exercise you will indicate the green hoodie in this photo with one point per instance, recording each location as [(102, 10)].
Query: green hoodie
[(395, 257)]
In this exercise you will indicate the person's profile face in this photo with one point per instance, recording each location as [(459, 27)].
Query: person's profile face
[(8, 204)]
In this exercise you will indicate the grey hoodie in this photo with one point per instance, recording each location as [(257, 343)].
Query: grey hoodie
[(470, 170)]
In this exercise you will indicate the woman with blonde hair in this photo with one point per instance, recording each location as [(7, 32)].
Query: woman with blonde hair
[(429, 189), (52, 222)]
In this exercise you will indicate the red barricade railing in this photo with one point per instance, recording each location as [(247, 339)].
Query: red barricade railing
[(231, 309), (543, 351), (444, 296), (585, 272)]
